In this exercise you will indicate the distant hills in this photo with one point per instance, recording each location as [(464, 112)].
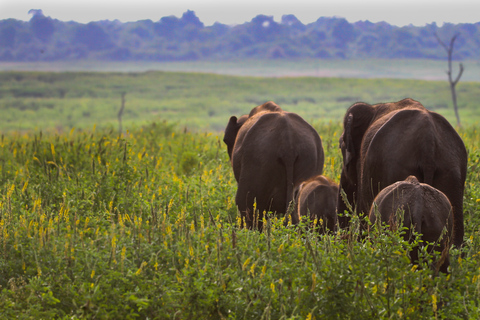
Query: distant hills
[(187, 38)]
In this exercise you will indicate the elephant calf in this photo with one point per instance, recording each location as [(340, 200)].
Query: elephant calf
[(271, 151), (427, 211), (316, 198)]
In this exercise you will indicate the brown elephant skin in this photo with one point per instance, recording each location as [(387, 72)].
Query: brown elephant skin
[(270, 151), (316, 198), (426, 210), (385, 143)]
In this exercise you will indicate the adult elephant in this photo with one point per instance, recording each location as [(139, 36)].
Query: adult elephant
[(271, 151), (385, 143)]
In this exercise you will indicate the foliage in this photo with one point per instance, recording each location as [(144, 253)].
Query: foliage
[(143, 225), (187, 39)]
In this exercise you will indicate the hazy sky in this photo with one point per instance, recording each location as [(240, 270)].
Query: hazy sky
[(397, 12)]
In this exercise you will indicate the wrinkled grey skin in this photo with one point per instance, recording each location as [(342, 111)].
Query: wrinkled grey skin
[(270, 151), (426, 210), (316, 198), (385, 143)]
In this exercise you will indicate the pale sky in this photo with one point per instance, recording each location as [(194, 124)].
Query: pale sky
[(396, 12)]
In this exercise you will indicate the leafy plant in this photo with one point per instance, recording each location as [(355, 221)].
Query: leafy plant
[(96, 225)]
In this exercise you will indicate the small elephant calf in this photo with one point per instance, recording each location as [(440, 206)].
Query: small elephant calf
[(427, 211), (317, 198)]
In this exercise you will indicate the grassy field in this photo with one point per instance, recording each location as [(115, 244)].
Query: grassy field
[(97, 226), (142, 225), (62, 101)]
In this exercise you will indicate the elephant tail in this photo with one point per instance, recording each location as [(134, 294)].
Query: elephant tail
[(415, 211)]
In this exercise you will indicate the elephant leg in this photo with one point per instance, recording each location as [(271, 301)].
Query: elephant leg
[(444, 261), (351, 193), (251, 208), (457, 210), (453, 189), (268, 199), (245, 207), (263, 206)]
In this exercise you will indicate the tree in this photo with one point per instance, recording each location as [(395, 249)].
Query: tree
[(263, 28), (452, 82), (7, 36), (343, 32), (167, 27), (189, 18), (41, 26), (93, 36)]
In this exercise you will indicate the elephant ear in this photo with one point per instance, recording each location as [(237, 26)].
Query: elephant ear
[(348, 140), (231, 132), (356, 122)]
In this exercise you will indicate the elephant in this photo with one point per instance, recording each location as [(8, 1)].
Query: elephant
[(426, 210), (270, 152), (387, 142), (316, 198)]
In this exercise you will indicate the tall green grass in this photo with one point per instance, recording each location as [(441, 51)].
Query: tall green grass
[(143, 225)]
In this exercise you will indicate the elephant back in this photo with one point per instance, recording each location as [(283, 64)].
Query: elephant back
[(280, 135), (418, 141), (420, 208)]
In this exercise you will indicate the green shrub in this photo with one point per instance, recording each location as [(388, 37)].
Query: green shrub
[(93, 225)]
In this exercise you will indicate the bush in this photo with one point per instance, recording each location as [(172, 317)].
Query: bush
[(94, 225)]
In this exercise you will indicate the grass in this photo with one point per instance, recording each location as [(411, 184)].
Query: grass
[(201, 102), (97, 225), (143, 225)]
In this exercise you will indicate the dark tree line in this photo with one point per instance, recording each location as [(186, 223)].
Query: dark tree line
[(187, 38)]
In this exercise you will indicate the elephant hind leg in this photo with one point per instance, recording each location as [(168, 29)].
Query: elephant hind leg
[(453, 189), (242, 200), (251, 210)]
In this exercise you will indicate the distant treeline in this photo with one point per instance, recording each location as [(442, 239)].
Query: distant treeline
[(187, 38)]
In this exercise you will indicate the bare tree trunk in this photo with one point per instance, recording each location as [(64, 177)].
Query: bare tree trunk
[(452, 82), (120, 114), (454, 95)]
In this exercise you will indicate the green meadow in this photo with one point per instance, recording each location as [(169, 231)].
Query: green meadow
[(142, 224), (201, 102)]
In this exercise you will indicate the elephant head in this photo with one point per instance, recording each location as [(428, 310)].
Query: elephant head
[(268, 106), (235, 124), (356, 122)]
